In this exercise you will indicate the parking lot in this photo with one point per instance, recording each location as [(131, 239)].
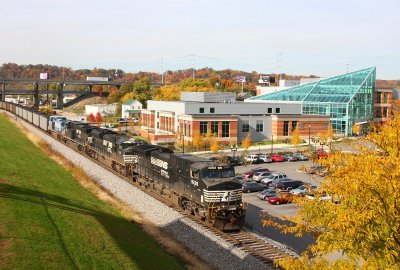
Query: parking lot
[(290, 169)]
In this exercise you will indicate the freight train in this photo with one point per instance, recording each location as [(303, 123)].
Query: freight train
[(204, 188)]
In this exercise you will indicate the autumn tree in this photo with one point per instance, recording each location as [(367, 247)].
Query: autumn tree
[(295, 138), (91, 118), (215, 146), (356, 129), (197, 141), (364, 227), (98, 118), (246, 143)]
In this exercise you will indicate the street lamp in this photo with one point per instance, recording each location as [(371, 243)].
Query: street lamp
[(309, 134)]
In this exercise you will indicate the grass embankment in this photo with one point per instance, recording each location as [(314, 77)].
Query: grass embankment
[(49, 221)]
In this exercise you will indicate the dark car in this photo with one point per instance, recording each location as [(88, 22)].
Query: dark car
[(250, 173), (266, 193), (289, 184), (234, 161), (290, 157), (252, 187)]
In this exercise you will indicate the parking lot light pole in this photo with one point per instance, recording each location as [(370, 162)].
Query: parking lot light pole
[(309, 134), (272, 144), (233, 149)]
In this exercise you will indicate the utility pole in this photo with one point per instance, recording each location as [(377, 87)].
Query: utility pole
[(162, 70), (194, 63)]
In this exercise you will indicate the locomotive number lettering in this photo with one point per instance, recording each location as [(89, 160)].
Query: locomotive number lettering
[(165, 174), (195, 183)]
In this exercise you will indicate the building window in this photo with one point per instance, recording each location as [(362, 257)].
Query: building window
[(378, 113), (158, 124), (269, 110), (203, 127), (225, 129), (378, 98), (277, 110), (245, 126), (212, 110), (189, 133), (214, 127), (286, 128), (201, 110), (158, 114), (260, 126), (385, 112), (294, 125), (385, 98)]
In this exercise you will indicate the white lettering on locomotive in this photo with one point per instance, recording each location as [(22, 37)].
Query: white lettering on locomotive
[(159, 163), (195, 183), (165, 174)]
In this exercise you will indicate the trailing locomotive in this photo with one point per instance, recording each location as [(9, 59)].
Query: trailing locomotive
[(205, 188)]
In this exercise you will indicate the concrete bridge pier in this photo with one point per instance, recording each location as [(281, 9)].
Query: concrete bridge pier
[(60, 96), (36, 95), (3, 92)]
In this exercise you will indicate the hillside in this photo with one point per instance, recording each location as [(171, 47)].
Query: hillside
[(49, 221)]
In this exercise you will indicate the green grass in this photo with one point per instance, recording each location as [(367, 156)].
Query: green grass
[(48, 221)]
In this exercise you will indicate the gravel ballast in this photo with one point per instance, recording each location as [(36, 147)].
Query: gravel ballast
[(209, 247)]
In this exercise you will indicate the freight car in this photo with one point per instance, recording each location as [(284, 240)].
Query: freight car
[(205, 188)]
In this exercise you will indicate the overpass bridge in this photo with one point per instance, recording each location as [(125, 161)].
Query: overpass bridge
[(60, 91)]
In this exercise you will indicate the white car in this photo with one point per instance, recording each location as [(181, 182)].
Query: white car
[(252, 159), (303, 190)]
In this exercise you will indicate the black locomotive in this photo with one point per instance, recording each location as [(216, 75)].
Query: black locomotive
[(205, 188)]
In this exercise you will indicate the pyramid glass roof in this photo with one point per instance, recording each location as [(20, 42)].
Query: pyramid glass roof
[(346, 98)]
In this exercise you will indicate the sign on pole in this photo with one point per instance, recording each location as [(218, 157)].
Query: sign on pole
[(240, 79)]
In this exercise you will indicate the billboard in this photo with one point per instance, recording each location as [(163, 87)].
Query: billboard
[(44, 76), (240, 79)]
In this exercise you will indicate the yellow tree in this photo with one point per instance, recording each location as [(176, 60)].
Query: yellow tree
[(295, 138), (365, 225), (215, 145), (197, 141), (246, 143), (356, 129)]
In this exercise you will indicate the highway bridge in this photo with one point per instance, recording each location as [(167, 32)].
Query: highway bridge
[(6, 88)]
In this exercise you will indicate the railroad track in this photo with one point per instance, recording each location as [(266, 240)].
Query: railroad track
[(248, 243)]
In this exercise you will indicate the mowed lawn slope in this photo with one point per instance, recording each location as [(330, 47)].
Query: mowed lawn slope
[(48, 221)]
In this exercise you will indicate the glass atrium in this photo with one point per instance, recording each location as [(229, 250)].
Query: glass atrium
[(347, 98)]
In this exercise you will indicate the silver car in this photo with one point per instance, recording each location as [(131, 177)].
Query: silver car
[(303, 190), (273, 177), (260, 175)]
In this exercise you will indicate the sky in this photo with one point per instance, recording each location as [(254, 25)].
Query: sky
[(320, 37)]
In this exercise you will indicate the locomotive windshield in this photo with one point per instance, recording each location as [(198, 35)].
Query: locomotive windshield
[(218, 172)]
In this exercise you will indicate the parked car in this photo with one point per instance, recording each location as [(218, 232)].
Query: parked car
[(301, 156), (213, 158), (323, 197), (288, 185), (282, 198), (290, 157), (277, 158), (304, 190), (259, 175), (273, 176), (234, 161), (253, 159), (315, 168), (320, 154), (266, 193), (249, 174), (252, 187), (265, 158), (241, 179)]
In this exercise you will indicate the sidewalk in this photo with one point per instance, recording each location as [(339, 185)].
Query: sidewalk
[(261, 148)]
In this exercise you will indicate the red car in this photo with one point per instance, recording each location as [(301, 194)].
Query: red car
[(277, 158), (250, 173), (283, 197)]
